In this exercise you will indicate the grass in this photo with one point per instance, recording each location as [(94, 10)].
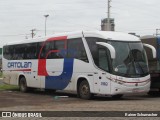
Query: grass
[(9, 87), (6, 86)]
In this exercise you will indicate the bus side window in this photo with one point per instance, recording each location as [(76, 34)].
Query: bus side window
[(76, 49), (7, 52), (60, 46), (31, 51), (55, 48), (103, 59), (52, 49), (43, 52)]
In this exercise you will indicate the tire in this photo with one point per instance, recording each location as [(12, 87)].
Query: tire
[(23, 85), (84, 90), (117, 96)]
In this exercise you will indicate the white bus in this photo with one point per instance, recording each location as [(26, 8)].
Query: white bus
[(88, 63)]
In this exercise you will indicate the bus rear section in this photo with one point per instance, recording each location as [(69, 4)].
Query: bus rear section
[(154, 63)]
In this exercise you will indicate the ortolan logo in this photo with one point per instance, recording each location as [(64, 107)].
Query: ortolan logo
[(56, 82), (19, 65)]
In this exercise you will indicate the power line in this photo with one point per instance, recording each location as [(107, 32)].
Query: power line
[(9, 35)]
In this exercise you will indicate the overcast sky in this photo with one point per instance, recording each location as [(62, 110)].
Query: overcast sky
[(18, 17)]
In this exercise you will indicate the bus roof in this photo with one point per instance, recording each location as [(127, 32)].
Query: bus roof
[(118, 36)]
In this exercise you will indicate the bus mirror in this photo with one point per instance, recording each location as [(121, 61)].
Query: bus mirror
[(110, 47), (152, 48)]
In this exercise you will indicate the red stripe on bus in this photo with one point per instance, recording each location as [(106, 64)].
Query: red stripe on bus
[(42, 67), (42, 62), (133, 82), (57, 38), (52, 39), (22, 70)]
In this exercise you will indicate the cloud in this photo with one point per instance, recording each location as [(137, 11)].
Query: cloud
[(18, 17)]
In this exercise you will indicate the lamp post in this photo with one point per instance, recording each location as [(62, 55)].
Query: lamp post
[(45, 22)]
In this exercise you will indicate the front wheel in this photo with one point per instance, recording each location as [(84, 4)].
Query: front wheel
[(84, 90), (23, 85)]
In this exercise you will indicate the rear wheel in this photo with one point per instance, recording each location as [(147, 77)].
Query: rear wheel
[(84, 90), (23, 85)]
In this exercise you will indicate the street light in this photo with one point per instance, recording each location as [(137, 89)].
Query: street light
[(45, 22)]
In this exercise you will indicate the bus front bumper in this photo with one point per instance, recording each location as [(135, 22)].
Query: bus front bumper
[(122, 89)]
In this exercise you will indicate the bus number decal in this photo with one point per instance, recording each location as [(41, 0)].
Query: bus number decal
[(104, 83)]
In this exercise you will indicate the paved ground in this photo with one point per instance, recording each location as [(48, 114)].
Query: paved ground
[(41, 101), (60, 101)]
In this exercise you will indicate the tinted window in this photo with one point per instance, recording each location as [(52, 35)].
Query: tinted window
[(52, 49), (31, 51), (103, 59), (20, 51), (76, 49), (47, 46), (99, 53)]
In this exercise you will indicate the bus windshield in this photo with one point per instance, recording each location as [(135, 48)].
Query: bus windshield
[(130, 58)]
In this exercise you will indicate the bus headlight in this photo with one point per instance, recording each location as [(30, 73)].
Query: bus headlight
[(117, 81)]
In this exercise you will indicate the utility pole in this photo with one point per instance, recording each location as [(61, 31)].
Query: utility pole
[(46, 23), (32, 32), (108, 19)]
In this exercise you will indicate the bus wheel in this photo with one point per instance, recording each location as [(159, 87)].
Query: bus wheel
[(117, 96), (23, 85), (84, 90)]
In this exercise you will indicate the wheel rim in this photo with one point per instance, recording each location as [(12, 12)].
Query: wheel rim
[(22, 85), (84, 90)]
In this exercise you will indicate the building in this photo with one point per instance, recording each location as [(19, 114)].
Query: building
[(104, 24)]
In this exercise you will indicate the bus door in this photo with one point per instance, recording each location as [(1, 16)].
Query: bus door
[(102, 84), (35, 79)]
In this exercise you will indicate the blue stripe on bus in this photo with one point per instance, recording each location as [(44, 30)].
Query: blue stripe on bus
[(62, 81)]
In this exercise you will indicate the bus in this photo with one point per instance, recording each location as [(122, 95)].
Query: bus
[(87, 62), (154, 63)]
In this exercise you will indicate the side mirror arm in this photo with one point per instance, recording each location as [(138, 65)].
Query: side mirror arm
[(152, 48), (110, 47)]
